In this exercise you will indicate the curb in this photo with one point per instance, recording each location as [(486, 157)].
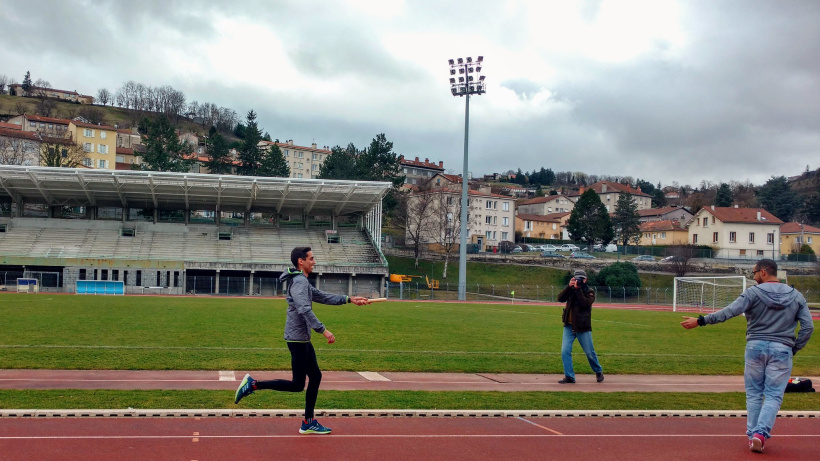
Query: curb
[(227, 413)]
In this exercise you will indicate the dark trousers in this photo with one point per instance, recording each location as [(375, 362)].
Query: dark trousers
[(303, 362)]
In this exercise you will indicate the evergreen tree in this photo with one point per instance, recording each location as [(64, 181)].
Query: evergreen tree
[(378, 162), (274, 163), (340, 164), (723, 196), (220, 161), (163, 149), (589, 220), (250, 155), (621, 274), (777, 197), (811, 208), (658, 198), (626, 220), (26, 86)]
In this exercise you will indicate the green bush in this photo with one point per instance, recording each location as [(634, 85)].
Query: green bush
[(622, 274), (806, 249)]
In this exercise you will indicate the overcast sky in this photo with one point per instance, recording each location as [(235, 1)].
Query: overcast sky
[(658, 90)]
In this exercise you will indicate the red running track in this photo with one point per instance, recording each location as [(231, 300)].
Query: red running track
[(400, 439)]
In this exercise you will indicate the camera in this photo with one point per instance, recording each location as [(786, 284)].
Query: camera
[(579, 280)]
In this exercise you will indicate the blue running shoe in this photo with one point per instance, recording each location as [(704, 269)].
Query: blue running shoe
[(313, 427), (245, 388)]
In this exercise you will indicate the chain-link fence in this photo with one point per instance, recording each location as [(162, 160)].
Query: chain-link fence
[(8, 280)]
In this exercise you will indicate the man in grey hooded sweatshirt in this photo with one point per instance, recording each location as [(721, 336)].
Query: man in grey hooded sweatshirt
[(300, 321), (772, 311)]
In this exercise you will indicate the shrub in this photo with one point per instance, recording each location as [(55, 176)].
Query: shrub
[(622, 274)]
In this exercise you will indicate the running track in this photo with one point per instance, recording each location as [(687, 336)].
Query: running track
[(400, 439)]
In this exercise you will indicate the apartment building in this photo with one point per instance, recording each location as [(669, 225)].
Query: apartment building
[(48, 126), (98, 141), (546, 205), (418, 172), (742, 233), (609, 192), (304, 162), (550, 226)]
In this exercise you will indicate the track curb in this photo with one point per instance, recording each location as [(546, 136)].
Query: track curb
[(228, 413)]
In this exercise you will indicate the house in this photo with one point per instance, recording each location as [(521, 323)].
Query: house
[(666, 232), (63, 95), (549, 226), (793, 235), (98, 141), (18, 147), (129, 143), (11, 126), (49, 126), (672, 195), (491, 218), (610, 191), (446, 180), (304, 162), (667, 213), (417, 172), (546, 205), (742, 233)]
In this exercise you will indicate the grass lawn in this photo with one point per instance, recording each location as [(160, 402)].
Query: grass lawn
[(154, 333), (198, 399)]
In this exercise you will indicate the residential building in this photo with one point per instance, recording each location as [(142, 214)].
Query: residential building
[(672, 195), (793, 235), (667, 213), (549, 226), (546, 205), (11, 126), (743, 233), (446, 180), (417, 172), (610, 191), (98, 141), (18, 147), (667, 232), (49, 126), (304, 162), (129, 143), (63, 95)]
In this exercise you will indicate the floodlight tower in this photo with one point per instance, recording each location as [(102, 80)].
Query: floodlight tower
[(464, 81)]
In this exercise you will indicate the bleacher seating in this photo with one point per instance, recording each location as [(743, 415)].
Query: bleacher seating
[(263, 245)]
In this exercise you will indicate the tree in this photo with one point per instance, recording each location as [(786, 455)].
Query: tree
[(45, 107), (340, 164), (250, 155), (61, 152), (777, 197), (811, 208), (446, 224), (163, 149), (589, 220), (723, 196), (274, 163), (13, 150), (415, 216), (4, 80), (104, 96), (219, 161), (681, 258), (378, 162), (658, 198), (620, 274), (26, 87), (626, 220), (92, 114), (42, 83)]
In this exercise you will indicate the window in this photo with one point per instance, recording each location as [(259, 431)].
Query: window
[(88, 133), (102, 148), (760, 252), (314, 167), (88, 147), (101, 164), (770, 238), (494, 235), (528, 225), (488, 234), (505, 206), (505, 235), (449, 217), (495, 205), (663, 235), (698, 221), (405, 172), (705, 222), (139, 278), (489, 204), (103, 135), (285, 152), (505, 221), (495, 219), (50, 126), (299, 175), (554, 226), (732, 237), (808, 240), (315, 156), (488, 220), (751, 237), (713, 219), (32, 124), (742, 252), (714, 237), (87, 161), (694, 239)]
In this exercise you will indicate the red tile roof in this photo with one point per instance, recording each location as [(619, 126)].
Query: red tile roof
[(423, 164), (544, 199), (612, 187), (451, 177), (742, 215), (659, 211), (794, 228), (37, 118), (539, 218), (11, 126), (292, 146), (473, 193), (655, 226), (560, 215), (92, 125), (125, 151), (20, 134)]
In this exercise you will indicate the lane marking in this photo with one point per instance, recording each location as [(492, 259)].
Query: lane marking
[(227, 376), (538, 425), (386, 436), (196, 437), (372, 376)]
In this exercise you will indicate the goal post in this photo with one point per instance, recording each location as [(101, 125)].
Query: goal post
[(706, 292)]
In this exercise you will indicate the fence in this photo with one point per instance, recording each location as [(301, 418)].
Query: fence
[(241, 286)]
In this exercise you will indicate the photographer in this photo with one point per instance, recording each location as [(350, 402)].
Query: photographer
[(577, 320)]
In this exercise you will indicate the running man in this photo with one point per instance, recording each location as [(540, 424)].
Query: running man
[(300, 321)]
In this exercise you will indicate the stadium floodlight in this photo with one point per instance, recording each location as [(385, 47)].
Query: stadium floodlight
[(452, 71), (467, 88), (452, 80)]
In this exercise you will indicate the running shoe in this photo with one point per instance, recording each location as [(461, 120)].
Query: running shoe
[(245, 388), (313, 427), (756, 443), (599, 377), (567, 380)]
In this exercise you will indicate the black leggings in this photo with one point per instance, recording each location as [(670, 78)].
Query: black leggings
[(303, 362)]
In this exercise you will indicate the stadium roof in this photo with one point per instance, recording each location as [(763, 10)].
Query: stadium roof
[(193, 191)]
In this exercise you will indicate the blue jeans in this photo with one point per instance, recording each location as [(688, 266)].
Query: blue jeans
[(768, 365), (585, 340)]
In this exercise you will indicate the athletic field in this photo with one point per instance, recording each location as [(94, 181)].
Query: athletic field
[(50, 331)]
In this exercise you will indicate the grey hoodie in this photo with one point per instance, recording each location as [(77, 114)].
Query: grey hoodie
[(772, 312), (301, 295)]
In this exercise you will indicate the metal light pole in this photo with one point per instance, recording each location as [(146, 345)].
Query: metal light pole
[(464, 85)]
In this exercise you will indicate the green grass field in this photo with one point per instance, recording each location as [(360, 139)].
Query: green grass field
[(50, 331)]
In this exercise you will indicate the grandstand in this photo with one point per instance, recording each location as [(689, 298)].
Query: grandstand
[(183, 233)]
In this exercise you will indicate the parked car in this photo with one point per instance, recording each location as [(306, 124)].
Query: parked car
[(568, 247), (517, 249), (551, 254), (644, 258), (505, 246), (611, 248), (549, 247), (671, 259), (581, 255)]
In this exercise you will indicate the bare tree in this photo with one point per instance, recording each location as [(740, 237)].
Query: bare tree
[(45, 107), (20, 107), (446, 223), (414, 214), (61, 152), (681, 256), (42, 83), (13, 150), (104, 96), (92, 114), (4, 80)]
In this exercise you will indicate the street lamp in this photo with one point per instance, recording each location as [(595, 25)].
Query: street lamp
[(464, 81)]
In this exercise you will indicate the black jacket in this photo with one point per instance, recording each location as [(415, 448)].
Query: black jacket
[(578, 312)]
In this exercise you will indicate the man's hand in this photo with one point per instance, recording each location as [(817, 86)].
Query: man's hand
[(689, 322), (330, 338), (359, 300), (573, 283)]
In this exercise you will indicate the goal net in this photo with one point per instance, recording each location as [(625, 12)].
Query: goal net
[(699, 293)]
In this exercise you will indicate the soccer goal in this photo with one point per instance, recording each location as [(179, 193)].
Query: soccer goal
[(706, 292), (28, 285)]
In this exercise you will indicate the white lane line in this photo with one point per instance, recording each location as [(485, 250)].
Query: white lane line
[(538, 425), (227, 376), (372, 376), (387, 436)]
